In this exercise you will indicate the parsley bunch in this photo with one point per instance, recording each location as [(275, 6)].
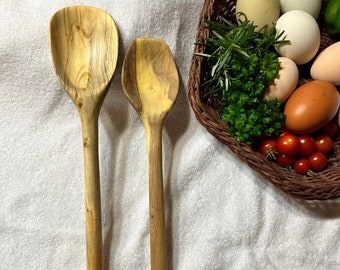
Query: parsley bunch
[(244, 62)]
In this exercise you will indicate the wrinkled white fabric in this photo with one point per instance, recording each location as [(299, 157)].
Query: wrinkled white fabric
[(219, 213)]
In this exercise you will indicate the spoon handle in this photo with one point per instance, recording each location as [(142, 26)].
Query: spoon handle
[(92, 192), (156, 197)]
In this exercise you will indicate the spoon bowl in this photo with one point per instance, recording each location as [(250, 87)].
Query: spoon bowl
[(84, 48), (150, 82)]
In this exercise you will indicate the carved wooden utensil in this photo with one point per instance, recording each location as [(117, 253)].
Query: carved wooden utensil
[(150, 82), (84, 46)]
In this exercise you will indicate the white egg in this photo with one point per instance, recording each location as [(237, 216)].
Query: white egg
[(312, 7), (285, 83), (303, 32)]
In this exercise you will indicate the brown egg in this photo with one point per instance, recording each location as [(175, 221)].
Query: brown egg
[(311, 106), (326, 66)]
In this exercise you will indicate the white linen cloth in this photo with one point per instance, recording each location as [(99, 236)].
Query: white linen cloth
[(219, 213)]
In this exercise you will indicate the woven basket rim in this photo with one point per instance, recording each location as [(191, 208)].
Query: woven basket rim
[(323, 185)]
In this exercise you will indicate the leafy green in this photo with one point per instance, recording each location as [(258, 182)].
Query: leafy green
[(244, 62)]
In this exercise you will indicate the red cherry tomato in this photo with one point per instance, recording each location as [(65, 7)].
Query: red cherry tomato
[(288, 144), (285, 160), (269, 148), (324, 143), (307, 145), (302, 166), (318, 161), (331, 129)]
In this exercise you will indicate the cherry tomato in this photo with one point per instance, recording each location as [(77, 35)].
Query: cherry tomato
[(302, 166), (331, 129), (324, 143), (285, 160), (318, 161), (288, 144), (269, 148), (307, 145)]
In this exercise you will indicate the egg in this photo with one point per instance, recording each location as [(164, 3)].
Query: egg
[(303, 32), (311, 106), (264, 13), (326, 65), (313, 7), (285, 83)]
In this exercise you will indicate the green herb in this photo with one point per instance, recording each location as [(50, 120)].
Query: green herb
[(243, 63)]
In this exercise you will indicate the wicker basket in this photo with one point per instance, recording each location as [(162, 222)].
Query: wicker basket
[(322, 186)]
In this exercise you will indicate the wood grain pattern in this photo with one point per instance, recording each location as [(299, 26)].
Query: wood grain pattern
[(150, 82), (84, 47)]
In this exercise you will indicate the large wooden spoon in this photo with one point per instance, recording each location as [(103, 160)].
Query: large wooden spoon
[(84, 46), (150, 82)]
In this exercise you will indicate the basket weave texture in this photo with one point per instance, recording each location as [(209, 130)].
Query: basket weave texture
[(323, 185)]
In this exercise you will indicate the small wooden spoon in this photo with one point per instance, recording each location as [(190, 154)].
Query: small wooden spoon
[(84, 46), (150, 82)]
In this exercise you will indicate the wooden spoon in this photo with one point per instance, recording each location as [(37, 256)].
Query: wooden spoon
[(84, 46), (150, 82)]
